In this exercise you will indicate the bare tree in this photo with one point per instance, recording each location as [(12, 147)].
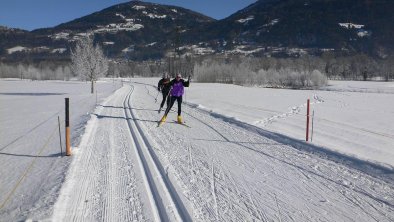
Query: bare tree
[(88, 61)]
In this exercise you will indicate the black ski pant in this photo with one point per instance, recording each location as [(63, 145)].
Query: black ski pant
[(173, 98), (166, 96)]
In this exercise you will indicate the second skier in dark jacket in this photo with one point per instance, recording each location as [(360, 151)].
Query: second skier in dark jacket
[(165, 87)]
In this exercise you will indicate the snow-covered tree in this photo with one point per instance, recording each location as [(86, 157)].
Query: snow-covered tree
[(88, 61)]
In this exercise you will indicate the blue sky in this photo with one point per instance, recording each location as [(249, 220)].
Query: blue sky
[(33, 14)]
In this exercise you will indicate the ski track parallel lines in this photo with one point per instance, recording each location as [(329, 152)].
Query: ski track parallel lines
[(142, 165), (149, 159)]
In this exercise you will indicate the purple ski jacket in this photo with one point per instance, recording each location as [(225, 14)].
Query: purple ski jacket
[(178, 87)]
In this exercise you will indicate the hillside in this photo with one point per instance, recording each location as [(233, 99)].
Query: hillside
[(135, 30), (349, 26), (139, 31)]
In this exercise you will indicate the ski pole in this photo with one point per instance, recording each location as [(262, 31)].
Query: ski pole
[(188, 79), (157, 96)]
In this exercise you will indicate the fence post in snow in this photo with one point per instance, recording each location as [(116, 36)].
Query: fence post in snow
[(68, 148), (307, 120)]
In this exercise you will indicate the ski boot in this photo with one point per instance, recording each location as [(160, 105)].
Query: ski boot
[(180, 119), (163, 120)]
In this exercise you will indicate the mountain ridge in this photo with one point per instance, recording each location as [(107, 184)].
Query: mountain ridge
[(141, 30)]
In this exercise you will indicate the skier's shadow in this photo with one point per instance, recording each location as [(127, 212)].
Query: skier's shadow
[(32, 94), (121, 107), (31, 155)]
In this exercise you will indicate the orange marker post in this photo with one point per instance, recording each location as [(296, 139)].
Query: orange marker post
[(68, 147)]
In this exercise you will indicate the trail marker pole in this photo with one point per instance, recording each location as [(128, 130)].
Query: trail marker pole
[(68, 148), (307, 120)]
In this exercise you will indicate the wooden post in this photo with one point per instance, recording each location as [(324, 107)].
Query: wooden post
[(68, 148), (307, 120)]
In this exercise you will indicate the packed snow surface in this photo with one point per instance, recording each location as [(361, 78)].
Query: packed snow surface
[(240, 156), (31, 167)]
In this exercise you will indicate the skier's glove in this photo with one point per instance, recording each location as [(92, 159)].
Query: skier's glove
[(158, 89)]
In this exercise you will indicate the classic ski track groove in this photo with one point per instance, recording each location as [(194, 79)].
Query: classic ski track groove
[(153, 177), (142, 163)]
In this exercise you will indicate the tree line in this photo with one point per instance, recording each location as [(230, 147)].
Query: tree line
[(44, 70), (88, 63)]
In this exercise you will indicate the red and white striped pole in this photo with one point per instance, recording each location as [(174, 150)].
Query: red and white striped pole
[(307, 120)]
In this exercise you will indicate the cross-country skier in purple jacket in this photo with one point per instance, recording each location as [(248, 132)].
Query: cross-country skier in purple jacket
[(177, 91)]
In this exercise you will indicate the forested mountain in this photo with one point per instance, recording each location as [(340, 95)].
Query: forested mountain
[(351, 26), (138, 30)]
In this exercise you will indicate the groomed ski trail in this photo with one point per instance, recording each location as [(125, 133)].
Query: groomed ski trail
[(126, 168), (229, 171), (114, 176)]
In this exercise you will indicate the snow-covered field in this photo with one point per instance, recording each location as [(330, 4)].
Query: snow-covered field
[(352, 118), (243, 158), (31, 169)]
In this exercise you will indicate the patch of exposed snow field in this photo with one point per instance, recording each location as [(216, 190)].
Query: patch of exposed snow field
[(16, 49)]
